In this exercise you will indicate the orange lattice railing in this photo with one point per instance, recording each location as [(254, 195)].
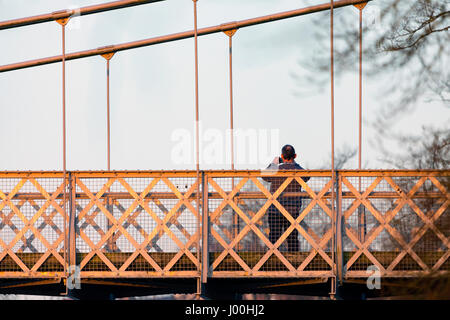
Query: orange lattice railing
[(241, 223), (32, 230), (396, 221), (136, 225), (224, 224)]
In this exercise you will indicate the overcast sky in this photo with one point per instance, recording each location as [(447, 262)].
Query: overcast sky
[(152, 90)]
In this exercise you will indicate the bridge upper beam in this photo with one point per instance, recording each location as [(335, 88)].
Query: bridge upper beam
[(181, 35), (227, 173), (72, 12)]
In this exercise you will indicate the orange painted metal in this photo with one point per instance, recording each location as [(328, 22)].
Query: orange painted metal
[(333, 169), (383, 224), (108, 57), (197, 142), (230, 34), (225, 173), (386, 195), (361, 6), (179, 36), (15, 23), (63, 22), (361, 214)]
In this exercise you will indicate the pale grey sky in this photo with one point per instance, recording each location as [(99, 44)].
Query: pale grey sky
[(152, 88)]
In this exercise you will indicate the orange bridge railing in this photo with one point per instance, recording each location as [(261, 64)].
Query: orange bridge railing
[(149, 224)]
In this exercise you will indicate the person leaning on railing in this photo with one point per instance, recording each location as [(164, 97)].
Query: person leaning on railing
[(277, 222)]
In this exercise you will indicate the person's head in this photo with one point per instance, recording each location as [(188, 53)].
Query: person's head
[(288, 153)]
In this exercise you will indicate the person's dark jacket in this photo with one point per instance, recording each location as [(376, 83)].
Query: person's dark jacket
[(276, 182)]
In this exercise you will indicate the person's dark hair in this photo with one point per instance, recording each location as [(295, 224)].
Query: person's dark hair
[(288, 152)]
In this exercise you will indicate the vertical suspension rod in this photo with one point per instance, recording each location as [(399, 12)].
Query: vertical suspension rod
[(361, 213), (360, 89), (230, 46), (197, 139), (108, 57), (108, 115), (64, 124), (63, 23), (230, 34), (197, 152), (333, 173), (109, 202)]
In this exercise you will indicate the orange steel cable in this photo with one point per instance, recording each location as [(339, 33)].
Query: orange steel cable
[(64, 14), (179, 36)]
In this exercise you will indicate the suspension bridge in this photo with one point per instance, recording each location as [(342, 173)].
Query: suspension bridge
[(97, 234)]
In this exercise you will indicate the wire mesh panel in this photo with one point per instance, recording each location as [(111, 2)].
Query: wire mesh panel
[(137, 225), (270, 224), (397, 222), (32, 225)]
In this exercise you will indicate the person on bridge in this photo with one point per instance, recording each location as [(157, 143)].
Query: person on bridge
[(277, 221)]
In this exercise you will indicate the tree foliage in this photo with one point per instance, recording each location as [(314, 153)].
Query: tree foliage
[(407, 39), (405, 42)]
